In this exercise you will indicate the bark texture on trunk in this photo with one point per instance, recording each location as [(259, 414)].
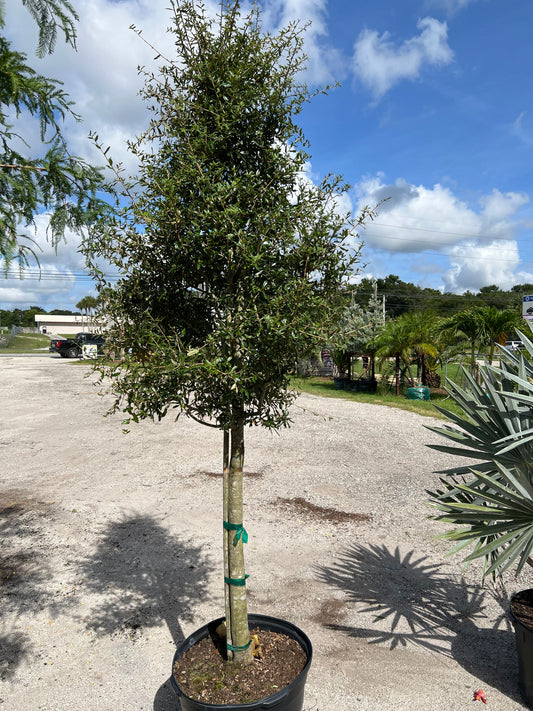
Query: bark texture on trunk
[(238, 636)]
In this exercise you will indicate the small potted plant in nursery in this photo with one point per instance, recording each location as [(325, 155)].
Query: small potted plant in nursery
[(490, 505), (232, 267)]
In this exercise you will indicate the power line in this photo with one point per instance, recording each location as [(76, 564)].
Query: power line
[(43, 275)]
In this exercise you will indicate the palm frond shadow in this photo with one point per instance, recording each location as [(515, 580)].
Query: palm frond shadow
[(143, 576), (411, 601)]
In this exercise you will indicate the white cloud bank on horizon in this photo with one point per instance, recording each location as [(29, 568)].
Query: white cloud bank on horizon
[(380, 64), (53, 281), (479, 245)]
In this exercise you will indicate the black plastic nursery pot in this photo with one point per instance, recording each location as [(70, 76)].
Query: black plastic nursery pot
[(524, 647), (290, 698)]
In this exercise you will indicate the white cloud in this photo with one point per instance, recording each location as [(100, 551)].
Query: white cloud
[(474, 265), (498, 207), (51, 290), (414, 218), (380, 64), (341, 201), (325, 63), (54, 281), (450, 6), (101, 77), (417, 218), (522, 132), (472, 246)]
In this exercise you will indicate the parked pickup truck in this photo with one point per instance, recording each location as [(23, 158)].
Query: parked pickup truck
[(73, 347)]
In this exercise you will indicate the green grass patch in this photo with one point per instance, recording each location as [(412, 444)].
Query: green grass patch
[(324, 387), (28, 343)]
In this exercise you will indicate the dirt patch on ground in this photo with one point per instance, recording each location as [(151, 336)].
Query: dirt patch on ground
[(323, 513)]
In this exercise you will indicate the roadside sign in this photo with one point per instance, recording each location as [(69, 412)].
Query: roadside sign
[(527, 307)]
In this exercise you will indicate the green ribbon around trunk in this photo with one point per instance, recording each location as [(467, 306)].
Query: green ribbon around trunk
[(238, 582), (232, 648), (240, 532)]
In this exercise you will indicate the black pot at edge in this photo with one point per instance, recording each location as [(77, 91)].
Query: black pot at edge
[(524, 647), (288, 699)]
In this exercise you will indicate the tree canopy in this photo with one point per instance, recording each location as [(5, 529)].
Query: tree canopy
[(232, 260), (44, 178)]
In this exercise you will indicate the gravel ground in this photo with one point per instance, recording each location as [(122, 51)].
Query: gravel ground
[(110, 554)]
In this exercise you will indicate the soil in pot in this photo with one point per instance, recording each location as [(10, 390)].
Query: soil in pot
[(522, 607), (203, 674)]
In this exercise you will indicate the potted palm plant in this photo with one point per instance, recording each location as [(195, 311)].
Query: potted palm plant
[(231, 267), (490, 504)]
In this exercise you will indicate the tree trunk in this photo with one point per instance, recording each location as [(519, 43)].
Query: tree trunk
[(411, 379), (238, 636), (397, 375)]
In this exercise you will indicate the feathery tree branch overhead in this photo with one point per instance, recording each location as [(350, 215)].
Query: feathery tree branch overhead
[(44, 178)]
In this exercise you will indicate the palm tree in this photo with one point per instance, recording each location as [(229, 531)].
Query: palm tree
[(421, 326), (87, 305), (468, 324), (395, 342), (490, 503), (496, 325)]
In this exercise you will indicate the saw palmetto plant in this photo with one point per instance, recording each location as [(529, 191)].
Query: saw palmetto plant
[(490, 503)]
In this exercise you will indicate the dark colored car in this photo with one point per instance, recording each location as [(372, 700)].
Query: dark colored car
[(54, 344), (73, 347)]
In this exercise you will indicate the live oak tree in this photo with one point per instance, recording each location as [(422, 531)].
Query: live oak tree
[(358, 327), (43, 178), (231, 260)]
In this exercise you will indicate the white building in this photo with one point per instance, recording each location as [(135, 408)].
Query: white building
[(66, 325)]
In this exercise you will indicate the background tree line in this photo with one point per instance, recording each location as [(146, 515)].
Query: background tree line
[(421, 340), (26, 317), (403, 297)]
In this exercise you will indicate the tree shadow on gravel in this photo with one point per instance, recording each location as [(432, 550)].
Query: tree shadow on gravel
[(25, 576), (412, 602), (144, 576)]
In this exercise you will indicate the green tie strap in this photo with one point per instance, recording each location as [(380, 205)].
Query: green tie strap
[(240, 532), (232, 648), (238, 582)]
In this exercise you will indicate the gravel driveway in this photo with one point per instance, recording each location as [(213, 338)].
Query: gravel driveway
[(111, 553)]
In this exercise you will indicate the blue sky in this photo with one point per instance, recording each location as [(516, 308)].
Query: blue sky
[(434, 111)]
